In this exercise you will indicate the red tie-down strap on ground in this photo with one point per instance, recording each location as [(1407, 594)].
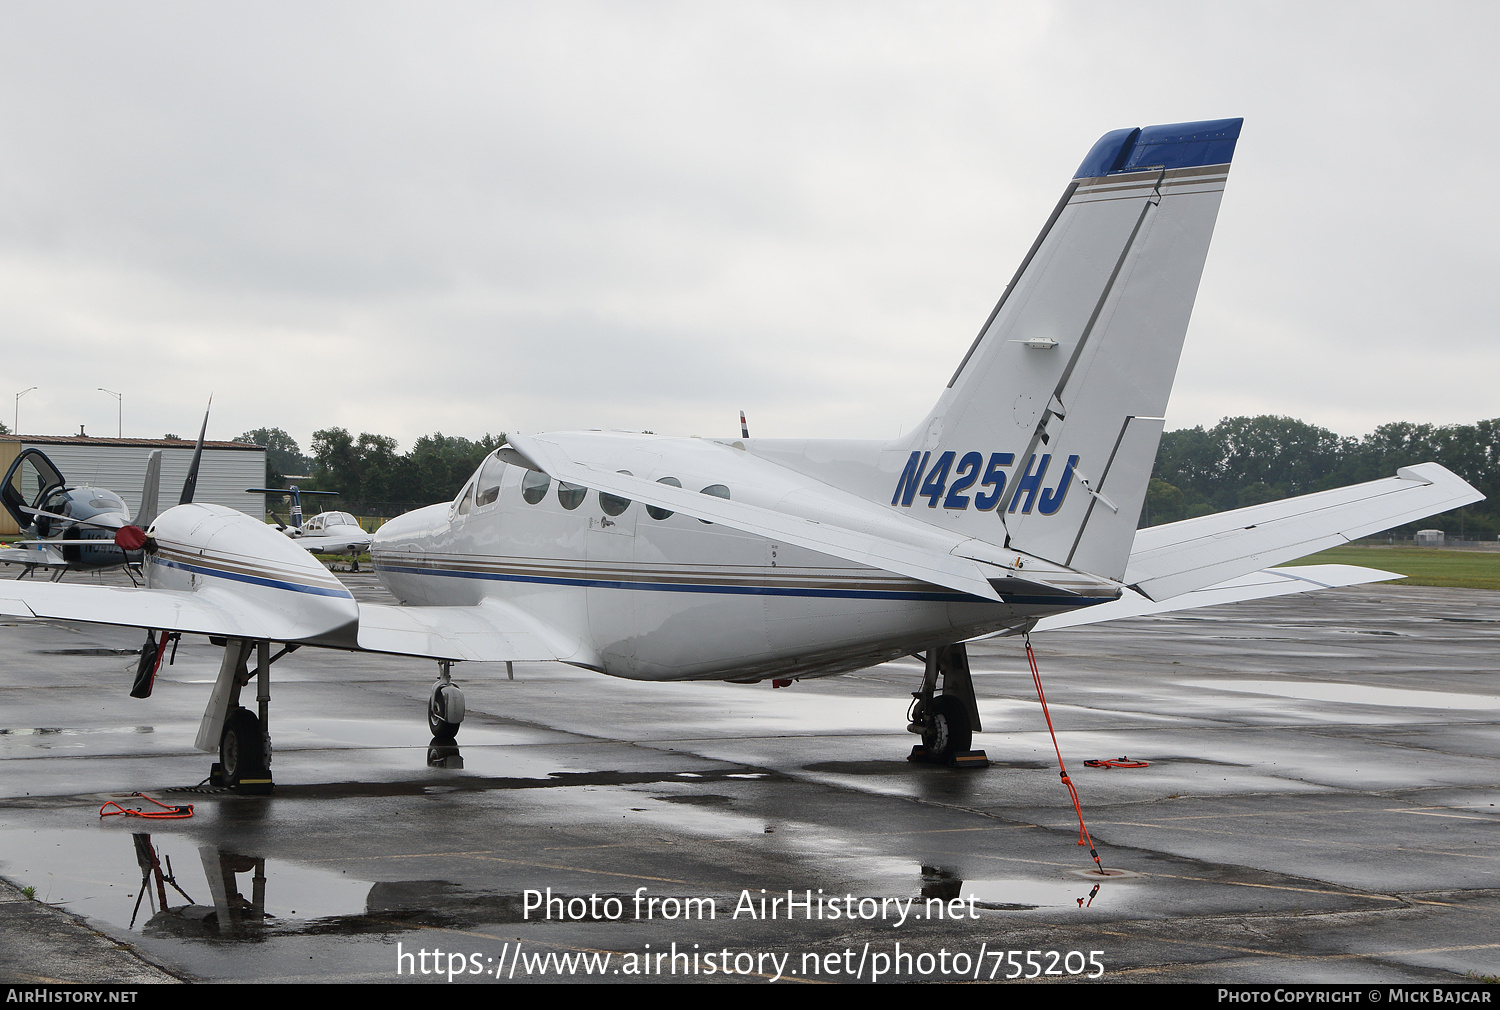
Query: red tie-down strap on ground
[(1084, 838), (1119, 762), (166, 812)]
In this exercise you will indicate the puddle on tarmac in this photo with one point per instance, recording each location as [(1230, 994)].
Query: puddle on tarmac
[(74, 731), (1354, 694), (97, 873), (1016, 893), (299, 733), (1022, 894)]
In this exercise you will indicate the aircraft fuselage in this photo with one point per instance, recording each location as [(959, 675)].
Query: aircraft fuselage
[(655, 595)]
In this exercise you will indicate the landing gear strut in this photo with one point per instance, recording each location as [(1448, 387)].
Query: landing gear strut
[(241, 737), (948, 720), (445, 705)]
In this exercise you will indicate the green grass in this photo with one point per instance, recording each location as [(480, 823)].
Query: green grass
[(1422, 566)]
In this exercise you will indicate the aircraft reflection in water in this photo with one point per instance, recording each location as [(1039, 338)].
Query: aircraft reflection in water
[(237, 888), (1011, 508), (232, 915)]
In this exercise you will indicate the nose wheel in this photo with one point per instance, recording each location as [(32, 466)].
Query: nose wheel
[(241, 736), (445, 705), (245, 753)]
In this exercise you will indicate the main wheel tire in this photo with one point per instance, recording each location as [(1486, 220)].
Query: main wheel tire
[(948, 732), (442, 729), (242, 748)]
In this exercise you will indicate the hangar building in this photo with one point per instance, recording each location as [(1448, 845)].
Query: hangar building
[(120, 465)]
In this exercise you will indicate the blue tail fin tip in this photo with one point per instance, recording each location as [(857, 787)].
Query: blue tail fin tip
[(1174, 145)]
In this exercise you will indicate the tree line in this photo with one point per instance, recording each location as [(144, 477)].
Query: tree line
[(371, 477), (1239, 461), (1249, 460)]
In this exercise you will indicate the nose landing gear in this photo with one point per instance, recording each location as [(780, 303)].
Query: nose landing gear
[(445, 705), (241, 737)]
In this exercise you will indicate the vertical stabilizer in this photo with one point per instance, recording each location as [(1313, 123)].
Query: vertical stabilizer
[(1045, 437), (150, 492)]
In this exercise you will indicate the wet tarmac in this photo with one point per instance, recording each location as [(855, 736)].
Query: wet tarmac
[(1320, 806)]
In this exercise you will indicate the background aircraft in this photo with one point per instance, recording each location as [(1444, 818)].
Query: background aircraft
[(324, 533), (1012, 507), (70, 528)]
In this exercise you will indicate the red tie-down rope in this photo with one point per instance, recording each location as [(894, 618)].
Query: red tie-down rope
[(1084, 838), (166, 812)]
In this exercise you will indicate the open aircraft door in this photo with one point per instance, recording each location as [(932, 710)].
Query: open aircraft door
[(27, 483)]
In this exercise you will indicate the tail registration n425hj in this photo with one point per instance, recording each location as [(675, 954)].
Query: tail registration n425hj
[(1011, 507)]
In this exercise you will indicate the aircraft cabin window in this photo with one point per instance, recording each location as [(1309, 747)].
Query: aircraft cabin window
[(611, 505), (570, 496), (489, 481), (534, 486), (467, 501), (718, 491), (652, 510)]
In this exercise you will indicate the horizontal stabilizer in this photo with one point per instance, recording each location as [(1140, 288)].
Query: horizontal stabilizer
[(1255, 586), (1177, 558)]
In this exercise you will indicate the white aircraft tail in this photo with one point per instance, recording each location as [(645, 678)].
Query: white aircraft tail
[(1045, 437)]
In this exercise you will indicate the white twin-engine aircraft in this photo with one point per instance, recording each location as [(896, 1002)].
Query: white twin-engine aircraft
[(1011, 508)]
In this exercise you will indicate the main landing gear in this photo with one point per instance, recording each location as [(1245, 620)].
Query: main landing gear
[(947, 721), (445, 705), (241, 737)]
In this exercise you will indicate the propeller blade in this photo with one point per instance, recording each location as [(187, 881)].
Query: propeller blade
[(97, 524), (191, 484)]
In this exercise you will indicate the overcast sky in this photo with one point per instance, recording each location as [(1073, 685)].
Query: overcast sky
[(403, 218)]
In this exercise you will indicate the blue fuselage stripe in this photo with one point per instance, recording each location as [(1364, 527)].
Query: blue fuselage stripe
[(254, 580), (687, 587), (747, 590)]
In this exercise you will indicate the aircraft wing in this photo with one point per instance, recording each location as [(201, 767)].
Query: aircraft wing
[(205, 612), (42, 555), (490, 632), (1255, 586), (829, 536), (1167, 561), (334, 544), (493, 631)]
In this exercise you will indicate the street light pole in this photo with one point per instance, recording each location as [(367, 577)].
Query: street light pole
[(119, 411), (17, 419)]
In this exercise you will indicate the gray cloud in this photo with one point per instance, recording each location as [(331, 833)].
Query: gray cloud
[(479, 217)]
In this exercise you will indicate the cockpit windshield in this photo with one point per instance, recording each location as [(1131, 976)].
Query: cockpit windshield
[(82, 502)]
